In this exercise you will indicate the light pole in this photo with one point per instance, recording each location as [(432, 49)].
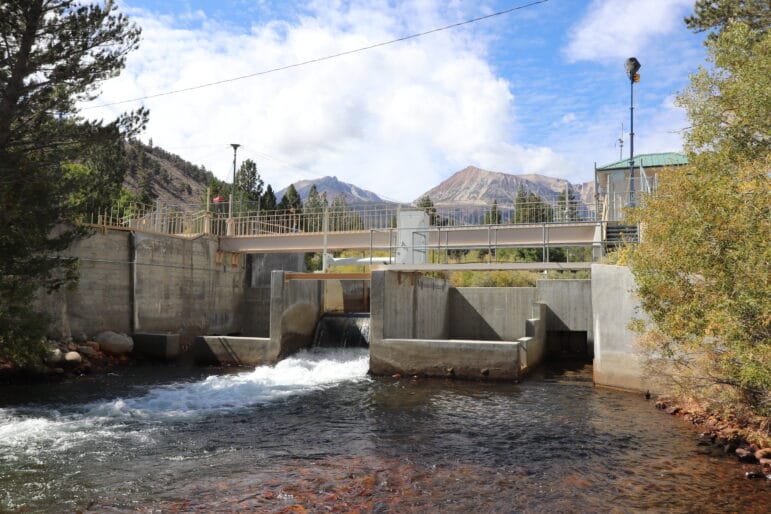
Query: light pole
[(632, 66), (232, 190)]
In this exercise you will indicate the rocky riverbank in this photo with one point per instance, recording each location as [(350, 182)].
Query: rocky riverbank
[(74, 356), (749, 440)]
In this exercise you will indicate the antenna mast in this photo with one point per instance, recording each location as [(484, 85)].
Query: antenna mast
[(621, 143)]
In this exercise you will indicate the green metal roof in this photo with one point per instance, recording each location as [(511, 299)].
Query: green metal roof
[(648, 160)]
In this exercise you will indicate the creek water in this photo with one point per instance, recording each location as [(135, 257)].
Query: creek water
[(315, 433)]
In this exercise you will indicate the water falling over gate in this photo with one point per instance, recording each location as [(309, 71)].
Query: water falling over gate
[(348, 330)]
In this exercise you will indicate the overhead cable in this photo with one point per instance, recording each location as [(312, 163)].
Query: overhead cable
[(320, 59)]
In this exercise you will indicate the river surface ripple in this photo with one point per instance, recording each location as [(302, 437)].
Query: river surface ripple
[(316, 434)]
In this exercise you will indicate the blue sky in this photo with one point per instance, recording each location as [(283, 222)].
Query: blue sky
[(539, 90)]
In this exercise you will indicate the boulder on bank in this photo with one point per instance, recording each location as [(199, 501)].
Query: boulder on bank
[(114, 343), (73, 358), (88, 351)]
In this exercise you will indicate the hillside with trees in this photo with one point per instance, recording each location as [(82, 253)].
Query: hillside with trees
[(156, 174)]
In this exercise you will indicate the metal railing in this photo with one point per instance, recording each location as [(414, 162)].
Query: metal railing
[(215, 220), (162, 219)]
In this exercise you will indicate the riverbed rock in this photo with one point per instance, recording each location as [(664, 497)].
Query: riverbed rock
[(746, 455), (79, 337), (114, 343), (93, 344), (763, 453), (73, 358)]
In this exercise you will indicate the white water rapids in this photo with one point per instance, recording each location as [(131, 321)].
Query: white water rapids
[(32, 431)]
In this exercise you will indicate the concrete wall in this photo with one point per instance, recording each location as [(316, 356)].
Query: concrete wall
[(421, 327), (614, 305), (295, 308), (183, 286), (408, 306), (569, 309), (481, 360), (494, 314), (255, 312), (534, 342), (179, 285), (569, 304), (102, 299)]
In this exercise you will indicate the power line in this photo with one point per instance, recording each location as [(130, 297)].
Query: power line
[(325, 58)]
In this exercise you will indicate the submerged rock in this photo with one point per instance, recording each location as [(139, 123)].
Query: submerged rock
[(114, 343), (746, 455)]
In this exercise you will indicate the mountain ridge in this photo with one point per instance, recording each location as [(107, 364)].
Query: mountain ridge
[(333, 187), (173, 180), (477, 186)]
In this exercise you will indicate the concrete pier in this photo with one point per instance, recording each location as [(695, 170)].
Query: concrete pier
[(421, 326)]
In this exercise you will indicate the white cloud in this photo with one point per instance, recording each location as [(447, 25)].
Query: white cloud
[(568, 118), (614, 29), (395, 120)]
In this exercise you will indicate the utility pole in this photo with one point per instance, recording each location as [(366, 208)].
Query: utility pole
[(232, 191)]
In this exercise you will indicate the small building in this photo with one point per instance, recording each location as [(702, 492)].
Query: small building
[(614, 187)]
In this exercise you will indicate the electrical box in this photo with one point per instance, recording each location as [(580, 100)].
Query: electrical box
[(412, 236)]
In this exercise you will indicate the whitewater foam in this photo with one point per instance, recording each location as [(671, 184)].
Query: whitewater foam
[(34, 429)]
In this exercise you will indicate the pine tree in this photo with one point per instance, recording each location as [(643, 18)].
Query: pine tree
[(268, 200), (313, 211), (249, 184), (291, 200), (53, 55), (715, 15), (493, 217), (425, 203)]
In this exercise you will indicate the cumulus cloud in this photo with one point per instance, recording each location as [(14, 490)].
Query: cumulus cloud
[(395, 120), (613, 29)]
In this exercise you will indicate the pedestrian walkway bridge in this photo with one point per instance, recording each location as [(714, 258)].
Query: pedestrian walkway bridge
[(533, 224)]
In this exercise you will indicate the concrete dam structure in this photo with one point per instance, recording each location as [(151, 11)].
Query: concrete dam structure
[(419, 325), (183, 295)]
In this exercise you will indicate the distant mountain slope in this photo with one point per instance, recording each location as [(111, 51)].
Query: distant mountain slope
[(334, 188), (475, 186), (164, 175)]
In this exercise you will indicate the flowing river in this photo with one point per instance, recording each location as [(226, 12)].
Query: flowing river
[(316, 434)]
